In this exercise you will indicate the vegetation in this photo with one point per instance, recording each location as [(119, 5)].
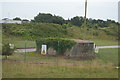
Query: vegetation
[(25, 20), (46, 25), (19, 34), (103, 42), (48, 18), (6, 50), (39, 66), (18, 41), (34, 31), (59, 44), (17, 18), (48, 28), (109, 55), (77, 21), (26, 70)]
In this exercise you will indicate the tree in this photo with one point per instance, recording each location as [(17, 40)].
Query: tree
[(89, 23), (42, 17), (77, 21), (17, 18), (32, 20), (6, 50), (25, 20), (101, 23), (58, 20), (48, 18)]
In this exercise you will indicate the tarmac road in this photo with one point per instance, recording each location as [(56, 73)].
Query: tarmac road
[(101, 47), (34, 49), (26, 50)]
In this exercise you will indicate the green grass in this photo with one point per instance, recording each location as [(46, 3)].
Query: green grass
[(0, 40), (18, 41), (35, 31), (0, 56), (105, 42), (29, 44), (25, 70), (58, 67), (109, 55), (98, 36), (21, 44)]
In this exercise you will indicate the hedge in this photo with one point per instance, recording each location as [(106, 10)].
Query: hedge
[(58, 44)]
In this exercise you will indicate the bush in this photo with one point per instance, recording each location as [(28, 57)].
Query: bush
[(58, 44), (33, 30), (6, 50)]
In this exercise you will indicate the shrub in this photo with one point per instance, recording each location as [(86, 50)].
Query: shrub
[(6, 50), (33, 30), (58, 44)]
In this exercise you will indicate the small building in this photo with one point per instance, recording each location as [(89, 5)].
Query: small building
[(25, 21), (7, 20), (83, 49)]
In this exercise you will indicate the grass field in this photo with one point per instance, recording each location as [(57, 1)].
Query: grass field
[(29, 44), (25, 70), (101, 39), (105, 42), (20, 43), (33, 65), (108, 55), (39, 66)]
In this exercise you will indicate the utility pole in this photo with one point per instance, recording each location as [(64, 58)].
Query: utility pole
[(85, 13)]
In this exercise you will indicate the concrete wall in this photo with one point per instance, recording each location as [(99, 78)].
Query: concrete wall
[(81, 50)]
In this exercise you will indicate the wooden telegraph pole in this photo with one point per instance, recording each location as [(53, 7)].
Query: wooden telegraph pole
[(85, 14)]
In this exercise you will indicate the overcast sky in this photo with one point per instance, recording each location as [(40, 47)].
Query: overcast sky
[(28, 9)]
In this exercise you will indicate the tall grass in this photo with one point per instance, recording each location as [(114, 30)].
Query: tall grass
[(39, 66), (26, 70)]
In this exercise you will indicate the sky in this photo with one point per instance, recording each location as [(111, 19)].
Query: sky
[(119, 11), (28, 9)]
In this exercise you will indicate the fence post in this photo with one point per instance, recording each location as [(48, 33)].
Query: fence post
[(25, 51), (58, 47)]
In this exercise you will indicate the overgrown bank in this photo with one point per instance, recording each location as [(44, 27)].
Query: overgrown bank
[(34, 31)]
